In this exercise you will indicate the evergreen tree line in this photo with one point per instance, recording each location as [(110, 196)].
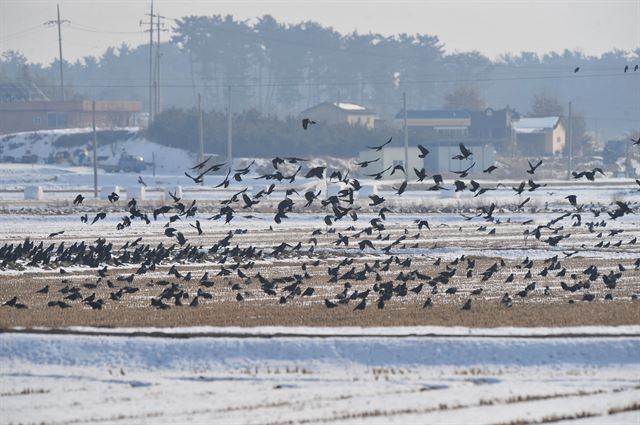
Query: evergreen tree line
[(257, 135), (278, 68)]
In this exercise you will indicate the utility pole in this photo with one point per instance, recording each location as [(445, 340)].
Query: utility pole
[(406, 137), (95, 148), (150, 23), (229, 132), (158, 105), (59, 22), (570, 147), (200, 130)]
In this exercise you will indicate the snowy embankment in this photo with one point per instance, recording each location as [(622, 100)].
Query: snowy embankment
[(45, 143), (299, 346), (397, 378)]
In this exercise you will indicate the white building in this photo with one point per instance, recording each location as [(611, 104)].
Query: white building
[(340, 113)]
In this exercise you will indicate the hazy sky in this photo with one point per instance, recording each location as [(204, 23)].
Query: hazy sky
[(491, 27)]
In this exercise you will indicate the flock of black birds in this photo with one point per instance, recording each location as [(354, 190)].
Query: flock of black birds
[(234, 263)]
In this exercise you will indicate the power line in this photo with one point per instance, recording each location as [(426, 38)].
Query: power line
[(24, 33), (80, 27), (355, 83)]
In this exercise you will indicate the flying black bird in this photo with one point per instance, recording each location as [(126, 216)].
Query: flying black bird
[(142, 182), (421, 173), (315, 172), (197, 227), (590, 175), (464, 153), (626, 68), (637, 141), (464, 173), (113, 197), (99, 216), (78, 200), (379, 148), (306, 122), (378, 176), (423, 151), (364, 164), (577, 68), (200, 166), (56, 233), (396, 168), (376, 200), (572, 200), (532, 168), (490, 169), (422, 223), (522, 204), (402, 188)]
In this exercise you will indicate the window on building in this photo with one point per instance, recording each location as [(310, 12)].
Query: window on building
[(56, 120)]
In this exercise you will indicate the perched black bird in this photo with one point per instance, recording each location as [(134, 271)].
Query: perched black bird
[(329, 304), (467, 305)]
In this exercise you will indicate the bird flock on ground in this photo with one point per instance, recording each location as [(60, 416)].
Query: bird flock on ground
[(233, 263)]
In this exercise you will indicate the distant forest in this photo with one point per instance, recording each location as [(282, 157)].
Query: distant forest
[(281, 69)]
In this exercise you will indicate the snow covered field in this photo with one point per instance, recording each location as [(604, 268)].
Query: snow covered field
[(286, 374), (260, 377)]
